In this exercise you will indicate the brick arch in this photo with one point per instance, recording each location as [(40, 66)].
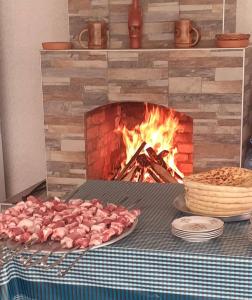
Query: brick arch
[(105, 149)]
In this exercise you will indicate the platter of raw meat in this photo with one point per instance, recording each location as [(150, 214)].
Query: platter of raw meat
[(45, 227)]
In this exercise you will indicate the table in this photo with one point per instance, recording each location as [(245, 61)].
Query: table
[(149, 264)]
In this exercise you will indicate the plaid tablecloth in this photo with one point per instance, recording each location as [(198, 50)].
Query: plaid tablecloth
[(149, 264)]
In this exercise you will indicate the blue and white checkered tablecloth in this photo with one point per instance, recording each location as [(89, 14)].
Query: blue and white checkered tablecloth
[(148, 264)]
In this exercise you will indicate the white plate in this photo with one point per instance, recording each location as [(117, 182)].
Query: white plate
[(197, 235), (193, 232), (198, 240), (197, 224)]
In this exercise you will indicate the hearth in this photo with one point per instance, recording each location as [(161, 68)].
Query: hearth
[(140, 142), (110, 87)]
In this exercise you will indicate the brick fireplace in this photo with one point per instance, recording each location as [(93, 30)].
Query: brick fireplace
[(212, 86), (83, 88), (161, 128)]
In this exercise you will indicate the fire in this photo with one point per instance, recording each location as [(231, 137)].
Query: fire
[(157, 130)]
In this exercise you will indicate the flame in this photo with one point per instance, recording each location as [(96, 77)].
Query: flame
[(157, 130)]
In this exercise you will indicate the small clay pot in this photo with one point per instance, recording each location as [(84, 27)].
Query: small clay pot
[(232, 40), (56, 45)]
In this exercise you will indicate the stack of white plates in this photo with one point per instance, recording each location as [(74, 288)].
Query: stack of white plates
[(197, 228)]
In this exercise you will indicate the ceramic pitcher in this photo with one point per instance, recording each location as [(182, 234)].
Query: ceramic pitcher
[(186, 35), (94, 36)]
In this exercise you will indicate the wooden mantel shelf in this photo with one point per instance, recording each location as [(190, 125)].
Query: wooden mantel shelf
[(149, 49)]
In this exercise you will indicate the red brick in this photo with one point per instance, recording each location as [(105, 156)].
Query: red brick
[(183, 138), (98, 117), (93, 157), (92, 132), (190, 158), (185, 118), (186, 127), (88, 122), (91, 145), (181, 157), (185, 148), (105, 128), (185, 168), (187, 174)]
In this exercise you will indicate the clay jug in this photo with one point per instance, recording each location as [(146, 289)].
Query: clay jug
[(95, 34), (186, 35), (135, 17)]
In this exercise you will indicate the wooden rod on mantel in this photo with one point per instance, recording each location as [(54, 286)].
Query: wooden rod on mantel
[(131, 161)]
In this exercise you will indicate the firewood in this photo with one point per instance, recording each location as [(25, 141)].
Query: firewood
[(141, 174), (154, 176), (143, 160), (163, 154), (162, 173), (131, 161), (130, 175), (152, 153), (155, 157)]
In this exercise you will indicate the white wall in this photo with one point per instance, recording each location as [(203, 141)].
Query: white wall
[(24, 24), (2, 181), (244, 16)]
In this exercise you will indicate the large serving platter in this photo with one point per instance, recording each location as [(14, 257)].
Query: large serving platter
[(180, 204), (49, 247)]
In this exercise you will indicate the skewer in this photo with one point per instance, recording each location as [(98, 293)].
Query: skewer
[(43, 260), (6, 257), (60, 260), (30, 258), (23, 247), (17, 250), (63, 272)]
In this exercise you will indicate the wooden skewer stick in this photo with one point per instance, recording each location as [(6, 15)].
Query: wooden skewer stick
[(131, 161)]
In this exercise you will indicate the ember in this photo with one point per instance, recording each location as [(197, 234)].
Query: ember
[(150, 149)]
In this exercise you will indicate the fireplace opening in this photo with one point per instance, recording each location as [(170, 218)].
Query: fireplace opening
[(139, 142)]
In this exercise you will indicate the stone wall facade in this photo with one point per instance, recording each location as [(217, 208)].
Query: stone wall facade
[(205, 84), (247, 103), (210, 16)]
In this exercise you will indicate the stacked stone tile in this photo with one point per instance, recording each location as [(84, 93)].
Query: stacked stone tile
[(205, 84), (211, 16)]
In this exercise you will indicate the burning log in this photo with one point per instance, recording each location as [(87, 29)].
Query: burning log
[(162, 173), (163, 154), (156, 158), (141, 174), (130, 175), (151, 163), (154, 176), (143, 160), (131, 162)]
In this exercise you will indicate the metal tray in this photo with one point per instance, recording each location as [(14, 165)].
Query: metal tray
[(180, 204), (48, 247)]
